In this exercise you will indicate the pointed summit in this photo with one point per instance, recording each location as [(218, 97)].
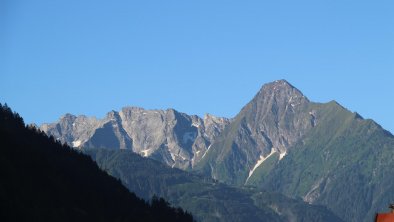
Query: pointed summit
[(276, 118), (280, 82), (68, 117), (280, 89), (277, 97)]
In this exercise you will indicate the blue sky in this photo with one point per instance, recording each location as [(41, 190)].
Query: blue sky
[(89, 57)]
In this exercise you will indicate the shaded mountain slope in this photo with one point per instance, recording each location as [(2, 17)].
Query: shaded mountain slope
[(42, 180), (207, 199)]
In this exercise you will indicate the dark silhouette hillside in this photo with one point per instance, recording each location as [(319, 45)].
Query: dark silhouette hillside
[(44, 180)]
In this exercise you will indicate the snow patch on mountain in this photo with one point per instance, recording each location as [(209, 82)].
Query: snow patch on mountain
[(76, 143), (146, 153), (259, 162), (206, 151), (281, 155)]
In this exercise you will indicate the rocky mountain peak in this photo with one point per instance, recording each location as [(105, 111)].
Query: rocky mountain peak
[(68, 117), (274, 120), (132, 109), (211, 119), (280, 83), (175, 138), (276, 103), (113, 115), (281, 92)]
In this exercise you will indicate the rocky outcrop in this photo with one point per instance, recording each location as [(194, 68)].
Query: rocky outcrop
[(175, 138)]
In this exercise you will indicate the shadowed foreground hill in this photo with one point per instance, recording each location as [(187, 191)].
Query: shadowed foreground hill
[(42, 180)]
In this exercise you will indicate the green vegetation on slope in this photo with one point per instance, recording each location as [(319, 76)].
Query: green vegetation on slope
[(344, 163), (263, 170), (226, 161), (207, 199)]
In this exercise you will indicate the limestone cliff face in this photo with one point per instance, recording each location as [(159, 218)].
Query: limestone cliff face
[(175, 138)]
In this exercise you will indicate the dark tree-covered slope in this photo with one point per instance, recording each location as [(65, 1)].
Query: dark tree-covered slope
[(43, 180)]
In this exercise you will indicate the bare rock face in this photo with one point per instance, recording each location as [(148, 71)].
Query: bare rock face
[(109, 134), (276, 118), (175, 138), (71, 129)]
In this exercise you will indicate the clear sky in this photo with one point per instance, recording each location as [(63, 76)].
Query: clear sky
[(90, 57)]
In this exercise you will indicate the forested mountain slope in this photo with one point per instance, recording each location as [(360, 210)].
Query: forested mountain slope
[(42, 180), (346, 163)]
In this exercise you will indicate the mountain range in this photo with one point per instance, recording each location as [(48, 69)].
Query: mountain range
[(44, 180), (174, 138), (279, 142)]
